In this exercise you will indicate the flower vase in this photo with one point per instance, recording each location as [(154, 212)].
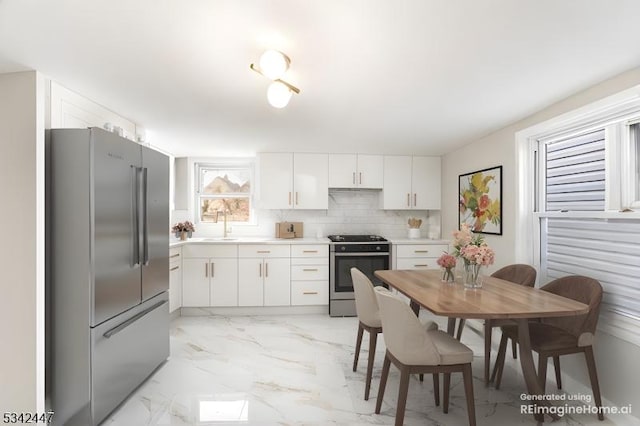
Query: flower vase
[(472, 277), (183, 236), (448, 276)]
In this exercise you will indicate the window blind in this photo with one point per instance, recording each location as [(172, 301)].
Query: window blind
[(605, 249), (575, 173)]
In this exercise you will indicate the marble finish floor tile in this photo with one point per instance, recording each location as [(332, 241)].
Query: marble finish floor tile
[(296, 370)]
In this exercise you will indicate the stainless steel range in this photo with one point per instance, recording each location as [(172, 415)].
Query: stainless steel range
[(368, 253)]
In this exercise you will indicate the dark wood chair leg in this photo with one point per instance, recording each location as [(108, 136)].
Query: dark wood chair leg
[(402, 395), (421, 376), (499, 365), (460, 328), (436, 389), (542, 371), (468, 391), (593, 376), (383, 382), (373, 338), (514, 349), (487, 350), (358, 343), (446, 388), (556, 366)]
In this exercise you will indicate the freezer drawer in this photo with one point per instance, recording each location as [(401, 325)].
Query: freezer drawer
[(126, 350)]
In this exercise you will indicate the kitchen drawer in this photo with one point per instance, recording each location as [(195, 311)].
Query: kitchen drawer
[(175, 254), (309, 260), (309, 293), (310, 250), (309, 272), (420, 250), (210, 250), (265, 250), (416, 263)]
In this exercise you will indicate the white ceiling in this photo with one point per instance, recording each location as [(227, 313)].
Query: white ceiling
[(378, 76)]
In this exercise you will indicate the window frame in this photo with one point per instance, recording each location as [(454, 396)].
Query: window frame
[(615, 114), (229, 164)]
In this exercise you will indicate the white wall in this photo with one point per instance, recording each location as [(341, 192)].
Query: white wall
[(499, 148), (22, 254)]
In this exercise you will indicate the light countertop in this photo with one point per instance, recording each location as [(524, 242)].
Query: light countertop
[(248, 240), (417, 241)]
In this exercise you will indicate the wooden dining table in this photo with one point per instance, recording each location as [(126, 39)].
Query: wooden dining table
[(496, 299)]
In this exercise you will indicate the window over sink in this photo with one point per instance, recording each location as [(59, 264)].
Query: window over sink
[(224, 188)]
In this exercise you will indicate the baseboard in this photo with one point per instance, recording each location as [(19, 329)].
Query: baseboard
[(256, 310)]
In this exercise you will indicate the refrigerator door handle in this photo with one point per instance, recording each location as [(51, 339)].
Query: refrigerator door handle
[(135, 256), (117, 329), (145, 218)]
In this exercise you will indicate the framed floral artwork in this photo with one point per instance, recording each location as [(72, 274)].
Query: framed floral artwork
[(480, 200)]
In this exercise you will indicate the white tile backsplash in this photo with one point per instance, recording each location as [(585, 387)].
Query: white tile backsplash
[(350, 212)]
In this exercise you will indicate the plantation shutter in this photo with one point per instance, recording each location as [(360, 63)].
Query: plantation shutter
[(575, 173), (605, 249)]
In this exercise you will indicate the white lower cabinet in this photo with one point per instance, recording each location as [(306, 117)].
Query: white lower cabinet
[(309, 274), (175, 279), (264, 276), (422, 255), (210, 275)]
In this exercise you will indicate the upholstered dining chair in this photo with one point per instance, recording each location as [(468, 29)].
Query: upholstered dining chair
[(517, 273), (413, 349), (554, 337), (368, 319)]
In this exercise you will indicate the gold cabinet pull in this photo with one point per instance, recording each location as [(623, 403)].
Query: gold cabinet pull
[(419, 266), (309, 292), (174, 268), (206, 270), (263, 251), (421, 251), (213, 270), (174, 255), (415, 199), (360, 178), (310, 251), (296, 198), (408, 200), (266, 270), (260, 270), (310, 270), (289, 198)]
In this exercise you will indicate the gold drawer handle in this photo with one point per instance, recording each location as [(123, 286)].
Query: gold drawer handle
[(416, 266), (174, 255), (264, 251), (310, 251), (174, 268), (310, 292), (311, 270), (421, 251)]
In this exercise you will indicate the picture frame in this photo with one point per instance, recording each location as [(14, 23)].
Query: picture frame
[(480, 200)]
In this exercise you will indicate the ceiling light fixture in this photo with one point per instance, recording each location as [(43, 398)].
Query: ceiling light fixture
[(273, 65)]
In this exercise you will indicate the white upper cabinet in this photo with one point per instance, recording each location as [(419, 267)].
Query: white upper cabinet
[(355, 171), (411, 183), (294, 181), (70, 110)]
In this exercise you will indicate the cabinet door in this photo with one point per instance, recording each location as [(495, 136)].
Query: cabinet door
[(370, 171), (195, 282), (311, 181), (396, 192), (343, 170), (250, 282), (224, 282), (277, 282), (426, 183), (175, 286), (276, 180)]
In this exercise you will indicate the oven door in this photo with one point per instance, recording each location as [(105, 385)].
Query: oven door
[(341, 285)]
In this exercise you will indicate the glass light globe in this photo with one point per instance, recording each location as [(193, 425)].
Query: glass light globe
[(278, 95), (273, 64)]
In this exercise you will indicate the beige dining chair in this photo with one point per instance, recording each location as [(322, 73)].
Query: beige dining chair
[(415, 350), (553, 337), (368, 319), (518, 273)]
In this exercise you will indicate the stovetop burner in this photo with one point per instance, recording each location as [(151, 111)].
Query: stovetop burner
[(356, 238)]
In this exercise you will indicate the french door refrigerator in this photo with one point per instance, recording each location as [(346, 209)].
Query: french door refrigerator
[(108, 270)]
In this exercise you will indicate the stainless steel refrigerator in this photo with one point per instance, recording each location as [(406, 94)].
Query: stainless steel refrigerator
[(108, 270)]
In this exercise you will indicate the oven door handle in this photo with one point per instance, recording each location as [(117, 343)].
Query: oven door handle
[(378, 254)]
